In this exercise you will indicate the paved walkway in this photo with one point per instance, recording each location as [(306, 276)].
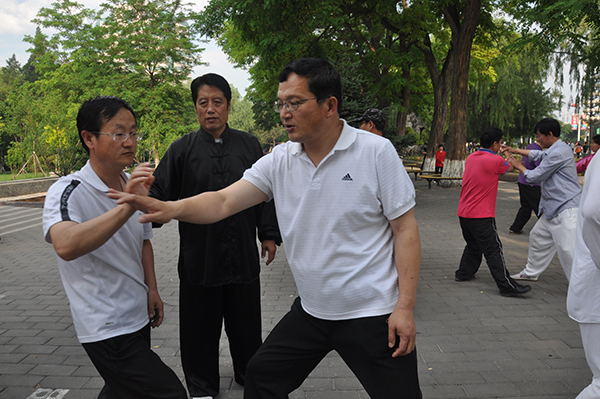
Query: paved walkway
[(472, 343)]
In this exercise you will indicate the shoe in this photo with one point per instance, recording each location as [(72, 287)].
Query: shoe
[(515, 232), (519, 290), (523, 276), (463, 278), (202, 397)]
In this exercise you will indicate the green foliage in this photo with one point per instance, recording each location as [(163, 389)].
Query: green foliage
[(401, 142), (509, 93), (140, 50)]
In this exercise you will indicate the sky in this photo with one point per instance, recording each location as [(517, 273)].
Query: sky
[(15, 23)]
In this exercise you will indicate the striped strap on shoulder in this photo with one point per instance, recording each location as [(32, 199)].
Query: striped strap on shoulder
[(64, 199)]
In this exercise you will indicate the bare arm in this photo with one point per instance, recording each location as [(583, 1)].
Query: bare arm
[(407, 256), (505, 148), (155, 304), (72, 240), (205, 208)]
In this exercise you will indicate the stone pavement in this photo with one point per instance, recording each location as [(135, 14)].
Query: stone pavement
[(472, 343)]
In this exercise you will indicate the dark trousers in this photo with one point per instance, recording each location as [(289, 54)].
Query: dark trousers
[(482, 238), (439, 170), (131, 370), (299, 342), (202, 311), (529, 197)]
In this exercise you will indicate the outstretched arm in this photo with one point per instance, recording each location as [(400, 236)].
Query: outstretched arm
[(505, 148), (205, 208), (407, 256)]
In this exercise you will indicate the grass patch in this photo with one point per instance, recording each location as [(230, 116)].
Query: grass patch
[(22, 176)]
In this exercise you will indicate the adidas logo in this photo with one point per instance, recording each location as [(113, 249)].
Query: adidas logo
[(347, 177)]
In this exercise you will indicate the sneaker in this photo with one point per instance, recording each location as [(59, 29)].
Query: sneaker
[(523, 276), (515, 232), (519, 290)]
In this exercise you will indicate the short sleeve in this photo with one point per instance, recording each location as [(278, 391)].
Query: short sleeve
[(260, 175), (397, 193)]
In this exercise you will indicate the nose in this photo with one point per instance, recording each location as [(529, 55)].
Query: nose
[(285, 113), (130, 140)]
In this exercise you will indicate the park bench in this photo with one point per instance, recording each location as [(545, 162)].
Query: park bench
[(416, 170), (437, 178)]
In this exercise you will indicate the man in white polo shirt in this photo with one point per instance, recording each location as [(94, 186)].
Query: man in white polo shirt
[(105, 256), (345, 211)]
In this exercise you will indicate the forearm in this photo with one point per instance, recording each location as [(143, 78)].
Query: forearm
[(407, 256), (211, 207), (408, 265), (72, 240), (148, 265)]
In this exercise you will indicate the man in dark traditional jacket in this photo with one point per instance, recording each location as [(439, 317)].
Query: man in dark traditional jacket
[(218, 263)]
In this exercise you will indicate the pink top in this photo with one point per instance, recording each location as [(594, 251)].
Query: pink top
[(480, 184), (583, 163)]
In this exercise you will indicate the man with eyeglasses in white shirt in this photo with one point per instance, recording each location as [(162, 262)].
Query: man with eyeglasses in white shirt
[(345, 207), (106, 259)]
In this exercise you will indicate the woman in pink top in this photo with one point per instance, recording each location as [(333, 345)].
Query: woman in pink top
[(582, 164)]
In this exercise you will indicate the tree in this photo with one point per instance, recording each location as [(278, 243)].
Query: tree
[(140, 50), (347, 33), (567, 29), (513, 97)]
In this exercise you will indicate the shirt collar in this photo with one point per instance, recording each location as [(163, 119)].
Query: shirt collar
[(209, 137), (487, 150), (94, 180)]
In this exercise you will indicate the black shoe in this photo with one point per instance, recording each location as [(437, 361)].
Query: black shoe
[(463, 278), (515, 232), (519, 290)]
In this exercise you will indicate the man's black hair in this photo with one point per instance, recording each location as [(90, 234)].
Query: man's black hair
[(211, 79), (596, 139), (323, 79), (96, 111), (548, 126), (489, 136)]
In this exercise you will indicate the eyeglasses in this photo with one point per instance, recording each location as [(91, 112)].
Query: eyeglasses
[(121, 137), (290, 105)]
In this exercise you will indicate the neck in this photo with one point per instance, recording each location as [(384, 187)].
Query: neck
[(318, 148), (111, 176)]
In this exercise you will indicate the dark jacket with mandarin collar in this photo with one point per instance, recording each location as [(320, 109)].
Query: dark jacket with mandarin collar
[(224, 252)]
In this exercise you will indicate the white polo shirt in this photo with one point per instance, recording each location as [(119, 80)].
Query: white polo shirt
[(334, 221), (106, 289)]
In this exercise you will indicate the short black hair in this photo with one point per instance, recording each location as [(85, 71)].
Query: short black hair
[(489, 136), (547, 126), (323, 79), (596, 139), (211, 79), (96, 111)]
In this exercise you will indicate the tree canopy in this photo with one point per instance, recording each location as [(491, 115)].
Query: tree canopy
[(456, 65)]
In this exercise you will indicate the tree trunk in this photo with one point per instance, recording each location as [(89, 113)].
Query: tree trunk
[(441, 93), (457, 130), (403, 115)]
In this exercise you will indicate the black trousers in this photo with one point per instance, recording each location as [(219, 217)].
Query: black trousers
[(299, 342), (529, 197), (482, 239), (202, 311), (131, 370)]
